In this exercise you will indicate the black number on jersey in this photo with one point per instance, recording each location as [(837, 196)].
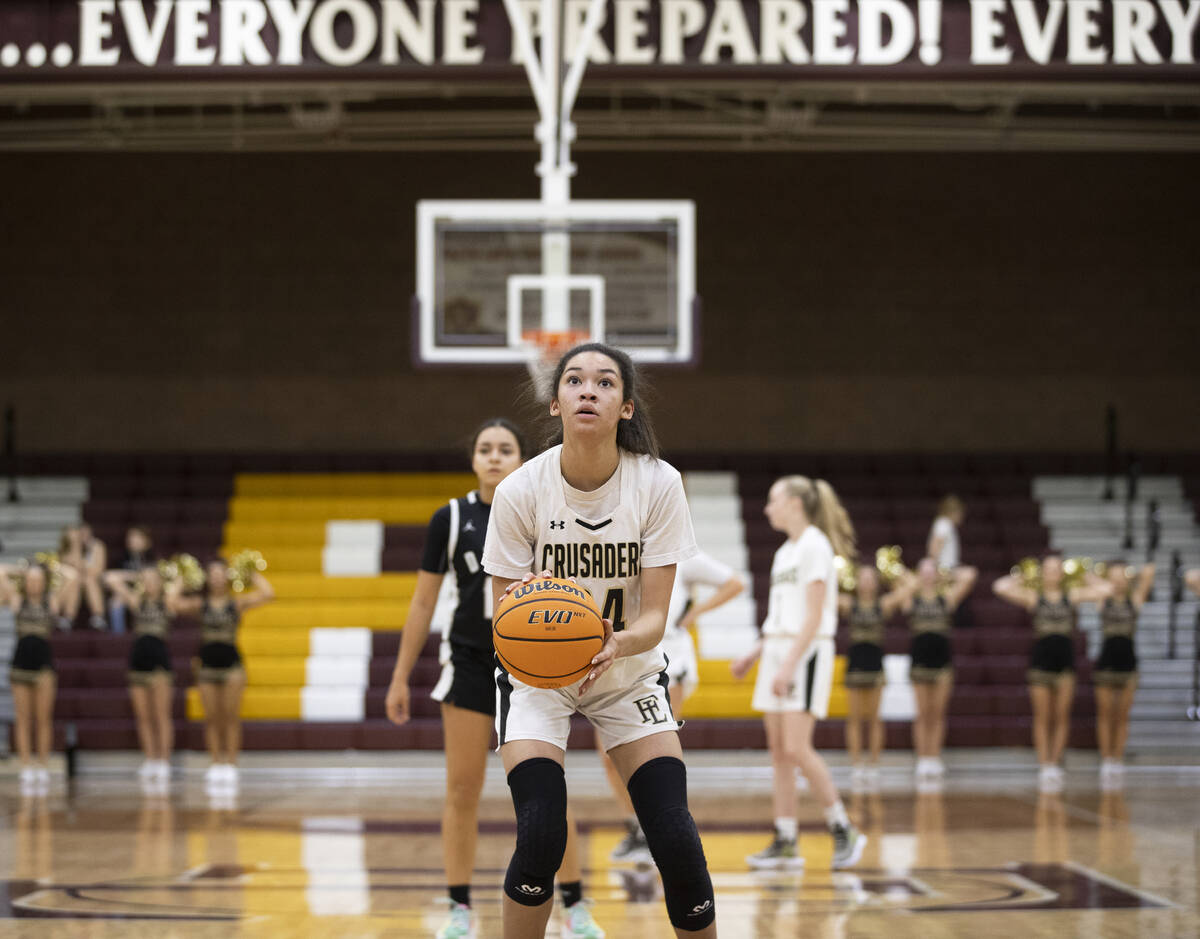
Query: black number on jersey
[(614, 608)]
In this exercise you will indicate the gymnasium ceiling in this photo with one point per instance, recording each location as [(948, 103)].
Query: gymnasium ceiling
[(629, 114)]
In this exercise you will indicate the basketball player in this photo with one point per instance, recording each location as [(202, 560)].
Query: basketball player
[(1052, 660), (600, 507), (150, 675), (1115, 673), (683, 668), (35, 607), (220, 677), (868, 613), (930, 610), (797, 651), (467, 686)]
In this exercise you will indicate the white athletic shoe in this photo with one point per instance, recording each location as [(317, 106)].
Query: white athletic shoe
[(148, 770), (230, 776), (460, 924), (1050, 779), (578, 922), (28, 778)]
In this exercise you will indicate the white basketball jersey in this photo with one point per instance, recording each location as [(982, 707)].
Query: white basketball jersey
[(796, 565), (638, 518)]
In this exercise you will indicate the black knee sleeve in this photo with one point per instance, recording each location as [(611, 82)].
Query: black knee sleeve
[(658, 789), (539, 794)]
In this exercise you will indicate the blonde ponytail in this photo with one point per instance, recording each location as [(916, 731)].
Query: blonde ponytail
[(825, 510)]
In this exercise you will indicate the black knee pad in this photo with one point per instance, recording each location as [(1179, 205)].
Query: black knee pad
[(658, 789), (539, 794)]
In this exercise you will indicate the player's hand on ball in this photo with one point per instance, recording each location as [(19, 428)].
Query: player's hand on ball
[(603, 659), (524, 580), (397, 703)]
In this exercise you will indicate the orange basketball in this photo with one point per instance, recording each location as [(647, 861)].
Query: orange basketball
[(547, 631)]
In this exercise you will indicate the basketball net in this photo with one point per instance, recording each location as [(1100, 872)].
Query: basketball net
[(544, 347)]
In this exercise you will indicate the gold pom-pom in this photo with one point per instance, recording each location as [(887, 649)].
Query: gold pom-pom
[(184, 570), (1075, 572), (1029, 570), (242, 568), (847, 574), (887, 561), (50, 561)]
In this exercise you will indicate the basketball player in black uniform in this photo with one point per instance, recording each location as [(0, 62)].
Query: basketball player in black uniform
[(467, 685), (35, 607), (1051, 675)]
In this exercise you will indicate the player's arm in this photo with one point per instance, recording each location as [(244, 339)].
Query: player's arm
[(645, 632), (10, 596), (121, 584), (1010, 588), (1145, 583), (260, 592), (961, 586), (1094, 590), (900, 594), (726, 591), (813, 594), (1192, 579), (412, 641)]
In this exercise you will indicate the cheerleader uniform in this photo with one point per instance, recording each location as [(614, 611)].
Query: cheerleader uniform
[(1053, 655), (219, 656), (149, 656), (1117, 664), (32, 656), (864, 668), (930, 650)]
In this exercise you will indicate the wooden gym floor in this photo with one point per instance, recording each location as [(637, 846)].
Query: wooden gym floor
[(314, 846)]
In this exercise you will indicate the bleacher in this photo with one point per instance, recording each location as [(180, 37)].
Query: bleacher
[(319, 658)]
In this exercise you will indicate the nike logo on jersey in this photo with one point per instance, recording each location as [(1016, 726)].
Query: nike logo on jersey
[(596, 527), (554, 526)]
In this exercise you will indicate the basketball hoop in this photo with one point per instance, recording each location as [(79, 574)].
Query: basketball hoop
[(544, 347)]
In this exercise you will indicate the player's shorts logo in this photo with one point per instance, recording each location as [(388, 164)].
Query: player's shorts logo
[(650, 710)]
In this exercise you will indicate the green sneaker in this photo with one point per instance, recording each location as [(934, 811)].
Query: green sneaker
[(780, 854), (460, 924), (578, 922)]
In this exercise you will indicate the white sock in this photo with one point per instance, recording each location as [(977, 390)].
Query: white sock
[(785, 828), (835, 816)]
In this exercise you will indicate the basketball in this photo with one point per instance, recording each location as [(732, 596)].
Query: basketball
[(547, 631)]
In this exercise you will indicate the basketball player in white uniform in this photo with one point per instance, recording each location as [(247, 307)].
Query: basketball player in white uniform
[(600, 508), (795, 675)]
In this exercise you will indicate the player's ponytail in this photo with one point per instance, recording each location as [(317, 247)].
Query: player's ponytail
[(636, 434), (824, 509)]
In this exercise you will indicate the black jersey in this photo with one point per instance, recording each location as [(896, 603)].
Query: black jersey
[(454, 545), (1118, 618), (1053, 618), (220, 623), (867, 624), (930, 616)]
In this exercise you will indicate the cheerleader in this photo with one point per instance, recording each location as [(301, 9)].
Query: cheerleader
[(867, 613), (466, 688), (1115, 672), (797, 652), (150, 676), (683, 668), (602, 486), (220, 676), (930, 609), (35, 605), (1051, 673)]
